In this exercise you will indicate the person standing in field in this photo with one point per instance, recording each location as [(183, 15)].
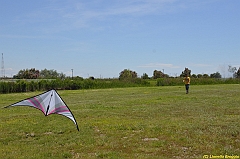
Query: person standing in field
[(186, 80)]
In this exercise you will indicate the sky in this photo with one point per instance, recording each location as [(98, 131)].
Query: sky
[(101, 38)]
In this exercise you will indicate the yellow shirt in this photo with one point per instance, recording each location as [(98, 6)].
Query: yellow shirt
[(186, 80)]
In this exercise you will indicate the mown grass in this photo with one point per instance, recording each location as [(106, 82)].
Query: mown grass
[(143, 122)]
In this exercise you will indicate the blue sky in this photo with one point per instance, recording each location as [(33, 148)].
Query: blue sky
[(101, 38)]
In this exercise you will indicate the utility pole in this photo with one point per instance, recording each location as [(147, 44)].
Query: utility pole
[(2, 68), (72, 73)]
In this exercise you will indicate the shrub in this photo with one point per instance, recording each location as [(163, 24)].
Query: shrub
[(69, 84)]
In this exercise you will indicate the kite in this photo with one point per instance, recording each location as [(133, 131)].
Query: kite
[(49, 103)]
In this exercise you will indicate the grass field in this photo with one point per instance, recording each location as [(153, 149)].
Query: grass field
[(144, 122)]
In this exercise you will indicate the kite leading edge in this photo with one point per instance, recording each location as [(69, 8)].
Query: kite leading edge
[(48, 102)]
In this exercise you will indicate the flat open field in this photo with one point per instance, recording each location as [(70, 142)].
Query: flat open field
[(146, 122)]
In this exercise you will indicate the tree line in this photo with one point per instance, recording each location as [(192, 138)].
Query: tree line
[(126, 74), (36, 74), (34, 80)]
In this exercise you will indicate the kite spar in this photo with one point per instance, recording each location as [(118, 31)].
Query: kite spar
[(49, 103)]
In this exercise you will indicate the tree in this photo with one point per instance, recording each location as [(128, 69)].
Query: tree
[(216, 75), (205, 75), (34, 74), (199, 76), (47, 74), (238, 73), (186, 72), (127, 74), (28, 74), (194, 75), (158, 74), (61, 75), (232, 70), (91, 78), (145, 76)]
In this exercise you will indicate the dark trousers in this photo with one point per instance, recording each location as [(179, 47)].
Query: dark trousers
[(187, 87)]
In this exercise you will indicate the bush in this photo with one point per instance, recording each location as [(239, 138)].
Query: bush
[(196, 81), (169, 81), (69, 84)]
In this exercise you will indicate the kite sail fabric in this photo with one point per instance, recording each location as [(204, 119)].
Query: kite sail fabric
[(49, 103)]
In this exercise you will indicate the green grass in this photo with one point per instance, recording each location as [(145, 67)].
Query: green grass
[(144, 122)]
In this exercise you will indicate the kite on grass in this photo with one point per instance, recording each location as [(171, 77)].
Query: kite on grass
[(49, 103)]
